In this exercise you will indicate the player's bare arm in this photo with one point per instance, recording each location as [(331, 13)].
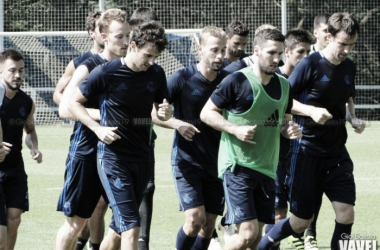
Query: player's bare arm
[(290, 129), (76, 108), (79, 75), (319, 115), (212, 116), (63, 82), (31, 139), (358, 124)]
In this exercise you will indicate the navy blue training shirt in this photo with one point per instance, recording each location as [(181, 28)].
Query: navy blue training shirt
[(189, 91), (126, 99), (83, 142), (14, 114), (316, 81)]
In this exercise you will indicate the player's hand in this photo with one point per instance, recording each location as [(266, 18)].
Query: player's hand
[(164, 111), (107, 134), (294, 131), (36, 155), (358, 125), (5, 148), (245, 133), (187, 130), (320, 115)]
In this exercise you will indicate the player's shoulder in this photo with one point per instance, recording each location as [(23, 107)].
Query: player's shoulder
[(156, 68), (81, 58), (236, 65), (185, 73), (24, 96)]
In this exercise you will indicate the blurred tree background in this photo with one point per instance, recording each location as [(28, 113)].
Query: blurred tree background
[(69, 15)]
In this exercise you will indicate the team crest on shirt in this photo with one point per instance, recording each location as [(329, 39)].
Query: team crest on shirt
[(118, 183), (67, 207), (187, 199), (22, 111), (347, 80), (238, 212)]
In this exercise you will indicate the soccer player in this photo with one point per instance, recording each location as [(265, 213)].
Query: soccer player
[(297, 46), (82, 163), (251, 107), (320, 32), (128, 88), (96, 224), (17, 106), (237, 35), (248, 60), (195, 146), (146, 208), (93, 31), (323, 84)]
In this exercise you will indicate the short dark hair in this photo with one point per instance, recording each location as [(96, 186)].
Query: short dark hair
[(91, 20), (135, 22), (237, 28), (144, 13), (296, 36), (321, 18), (268, 34), (150, 32), (343, 22), (110, 15), (13, 54)]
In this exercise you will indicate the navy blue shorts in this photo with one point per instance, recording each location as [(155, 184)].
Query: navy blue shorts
[(249, 195), (82, 188), (15, 188), (309, 176), (281, 192), (124, 183), (197, 187)]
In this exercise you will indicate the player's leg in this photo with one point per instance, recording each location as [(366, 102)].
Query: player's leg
[(68, 232), (311, 231), (301, 181), (3, 219), (80, 195), (240, 188), (124, 183), (281, 201), (96, 224), (112, 241), (17, 201), (340, 189), (14, 220), (213, 197), (83, 237), (189, 188), (146, 209)]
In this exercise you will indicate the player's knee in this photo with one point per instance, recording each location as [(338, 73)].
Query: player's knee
[(346, 216), (247, 238), (196, 223)]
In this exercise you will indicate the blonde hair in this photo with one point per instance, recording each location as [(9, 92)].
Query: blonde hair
[(211, 31), (264, 27), (110, 15)]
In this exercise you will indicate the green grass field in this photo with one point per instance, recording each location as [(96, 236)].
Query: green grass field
[(40, 225)]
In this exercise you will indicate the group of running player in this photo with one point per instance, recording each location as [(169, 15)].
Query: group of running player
[(252, 134)]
